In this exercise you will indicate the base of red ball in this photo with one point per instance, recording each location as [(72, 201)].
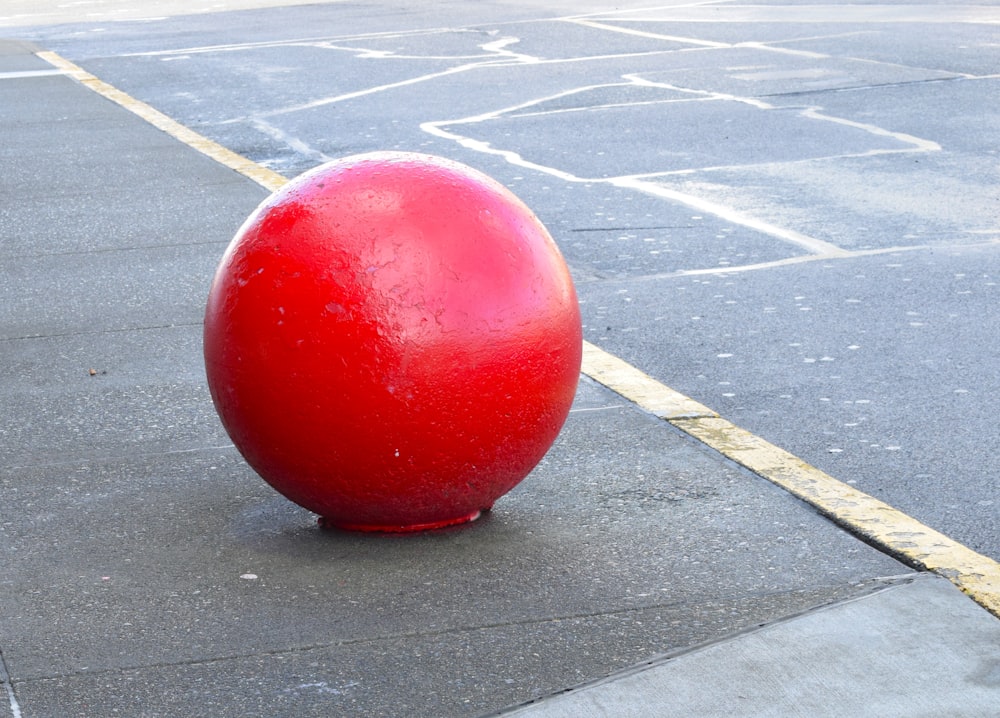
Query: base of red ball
[(325, 523)]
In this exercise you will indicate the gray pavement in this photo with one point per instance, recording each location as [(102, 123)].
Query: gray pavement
[(784, 208), (146, 571)]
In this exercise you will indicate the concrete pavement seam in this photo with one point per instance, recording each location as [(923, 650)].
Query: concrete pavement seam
[(876, 522)]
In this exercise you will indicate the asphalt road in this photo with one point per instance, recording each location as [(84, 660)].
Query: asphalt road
[(788, 211)]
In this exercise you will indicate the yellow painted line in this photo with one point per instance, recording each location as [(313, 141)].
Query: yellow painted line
[(623, 378), (878, 523), (865, 516), (261, 175)]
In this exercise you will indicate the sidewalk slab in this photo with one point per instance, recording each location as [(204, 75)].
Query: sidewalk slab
[(919, 648)]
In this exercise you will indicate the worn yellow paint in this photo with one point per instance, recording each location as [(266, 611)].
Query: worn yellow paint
[(876, 522), (623, 378), (865, 516), (261, 175)]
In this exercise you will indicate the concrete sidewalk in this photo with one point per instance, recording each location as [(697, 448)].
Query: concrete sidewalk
[(912, 650), (147, 571)]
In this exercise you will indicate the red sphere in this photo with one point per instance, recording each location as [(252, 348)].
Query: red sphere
[(393, 341)]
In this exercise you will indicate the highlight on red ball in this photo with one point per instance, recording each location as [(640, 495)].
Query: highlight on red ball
[(393, 342)]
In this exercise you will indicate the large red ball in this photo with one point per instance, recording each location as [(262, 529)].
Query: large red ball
[(393, 341)]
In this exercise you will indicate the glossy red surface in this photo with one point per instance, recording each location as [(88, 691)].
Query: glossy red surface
[(393, 341)]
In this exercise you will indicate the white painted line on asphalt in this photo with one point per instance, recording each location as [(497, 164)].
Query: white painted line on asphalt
[(810, 244), (436, 128), (29, 73), (294, 143), (303, 41), (795, 52), (645, 33), (589, 409), (15, 708), (644, 182), (8, 688), (919, 144), (855, 14), (801, 259), (811, 113), (362, 93), (816, 247)]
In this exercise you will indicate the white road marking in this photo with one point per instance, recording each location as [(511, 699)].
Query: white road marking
[(810, 244), (359, 93), (8, 687), (642, 183), (919, 144), (29, 73), (588, 409), (500, 51), (651, 35), (292, 142), (806, 14), (330, 41)]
